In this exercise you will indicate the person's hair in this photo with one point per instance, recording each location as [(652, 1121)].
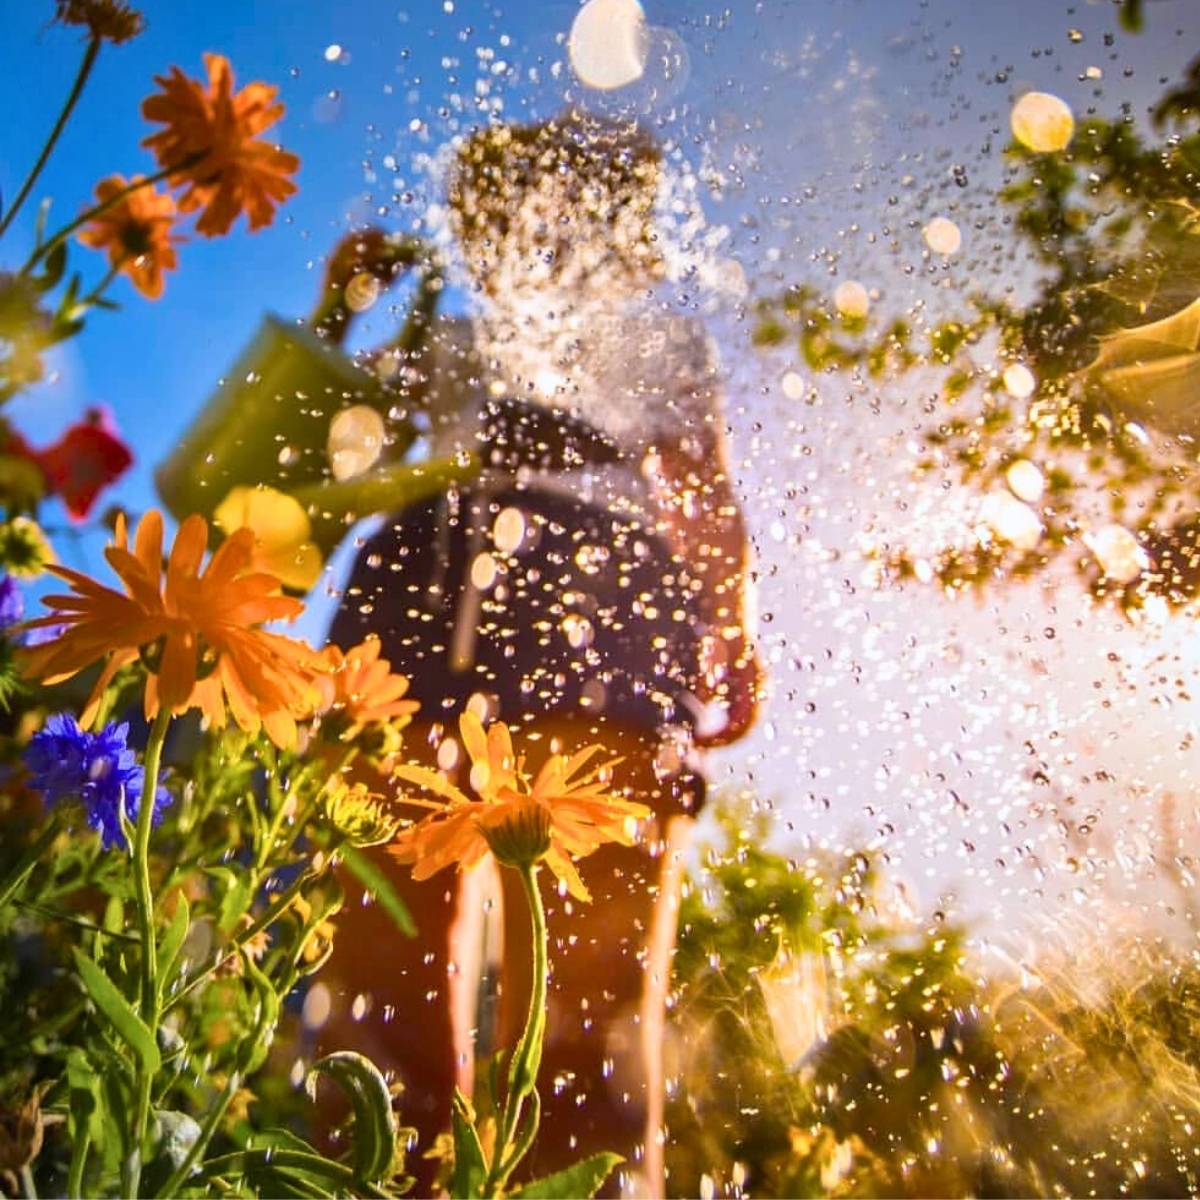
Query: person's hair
[(545, 189)]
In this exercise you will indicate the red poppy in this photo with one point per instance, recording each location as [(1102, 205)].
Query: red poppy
[(84, 461)]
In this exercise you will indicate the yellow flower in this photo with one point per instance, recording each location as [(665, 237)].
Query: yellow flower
[(231, 170), (197, 631), (564, 814), (282, 532), (24, 549), (357, 813)]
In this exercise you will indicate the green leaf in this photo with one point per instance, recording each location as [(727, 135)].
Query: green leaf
[(56, 264), (278, 1138), (375, 1129), (235, 896), (85, 1119), (278, 1170), (380, 886), (582, 1180), (470, 1167), (258, 1044), (131, 1029), (172, 943)]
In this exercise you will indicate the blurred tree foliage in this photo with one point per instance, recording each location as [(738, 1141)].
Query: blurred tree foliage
[(828, 1046), (1110, 229)]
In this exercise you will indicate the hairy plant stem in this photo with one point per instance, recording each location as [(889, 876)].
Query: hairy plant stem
[(85, 69), (527, 1057), (149, 956)]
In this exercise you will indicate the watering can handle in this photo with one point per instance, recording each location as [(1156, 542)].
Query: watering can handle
[(372, 252)]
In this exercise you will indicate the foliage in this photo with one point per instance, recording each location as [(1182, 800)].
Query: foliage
[(1110, 228), (898, 1067)]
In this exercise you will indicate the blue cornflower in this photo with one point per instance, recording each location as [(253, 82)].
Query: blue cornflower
[(12, 602), (68, 764)]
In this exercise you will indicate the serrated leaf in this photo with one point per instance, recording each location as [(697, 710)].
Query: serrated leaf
[(131, 1029), (375, 1127), (470, 1167), (581, 1181), (380, 886)]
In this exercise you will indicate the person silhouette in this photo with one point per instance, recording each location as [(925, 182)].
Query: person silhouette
[(591, 586)]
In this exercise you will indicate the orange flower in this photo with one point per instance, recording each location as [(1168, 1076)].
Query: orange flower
[(112, 19), (363, 690), (136, 232), (229, 169), (197, 633), (562, 815)]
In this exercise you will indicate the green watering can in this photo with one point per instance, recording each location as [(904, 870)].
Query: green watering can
[(268, 422)]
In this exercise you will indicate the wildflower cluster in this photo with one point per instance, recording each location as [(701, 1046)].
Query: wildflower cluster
[(273, 778)]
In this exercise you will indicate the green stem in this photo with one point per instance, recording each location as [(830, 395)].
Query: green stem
[(211, 1122), (99, 209), (113, 271), (29, 860), (141, 863), (85, 69), (272, 914), (79, 1153), (149, 955), (527, 1058)]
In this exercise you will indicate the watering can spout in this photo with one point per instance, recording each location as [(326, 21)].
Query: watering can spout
[(333, 507), (268, 423)]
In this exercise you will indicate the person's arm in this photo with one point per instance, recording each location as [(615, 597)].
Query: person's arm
[(702, 519)]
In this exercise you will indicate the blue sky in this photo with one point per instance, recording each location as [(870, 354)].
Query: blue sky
[(154, 363)]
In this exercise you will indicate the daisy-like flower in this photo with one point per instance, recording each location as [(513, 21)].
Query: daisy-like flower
[(136, 233), (230, 170), (565, 813), (25, 550), (362, 690), (112, 20), (197, 631)]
